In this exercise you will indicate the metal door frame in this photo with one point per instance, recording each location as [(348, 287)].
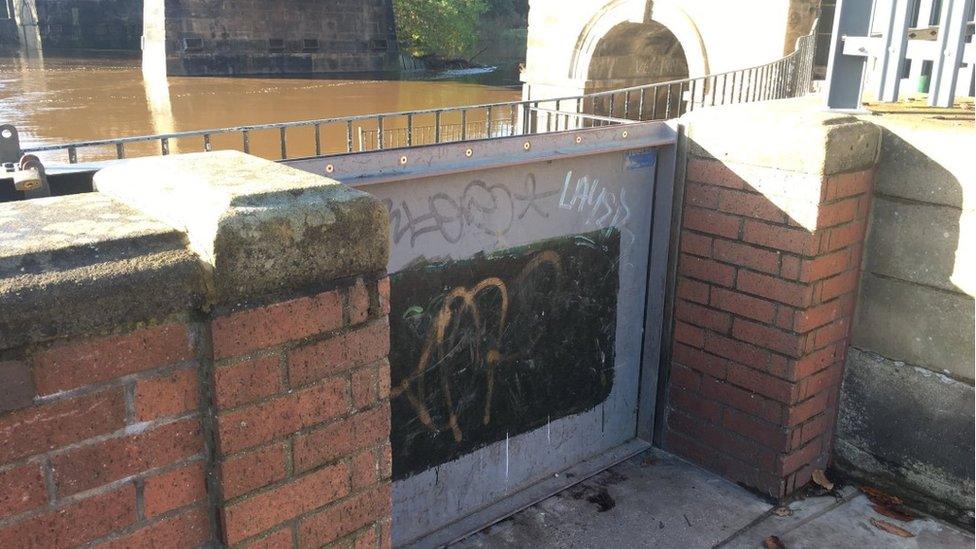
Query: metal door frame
[(361, 170)]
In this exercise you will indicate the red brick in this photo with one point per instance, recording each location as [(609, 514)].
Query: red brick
[(71, 365), (55, 424), (808, 319), (753, 428), (837, 213), (849, 184), (171, 395), (824, 266), (694, 404), (750, 205), (385, 454), (265, 327), (280, 539), (817, 426), (711, 222), (91, 466), (784, 317), (743, 305), (768, 337), (365, 387), (18, 385), (790, 293), (268, 509), (341, 438), (75, 524), (175, 489), (707, 270), (346, 517), (383, 381), (689, 335), (744, 255), (723, 440), (367, 539), (798, 241), (703, 196), (827, 378), (806, 409), (383, 289), (21, 489), (700, 361), (845, 235), (337, 354), (739, 351), (766, 385), (247, 381), (682, 376), (703, 316), (364, 469), (837, 330), (252, 470), (696, 244), (790, 269), (692, 290), (793, 461), (357, 299), (713, 172), (816, 361), (844, 283), (740, 399), (282, 416), (188, 529)]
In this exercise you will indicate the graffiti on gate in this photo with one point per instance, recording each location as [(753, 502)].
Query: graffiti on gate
[(500, 344), (482, 208)]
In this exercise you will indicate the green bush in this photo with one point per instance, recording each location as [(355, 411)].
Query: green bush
[(440, 27)]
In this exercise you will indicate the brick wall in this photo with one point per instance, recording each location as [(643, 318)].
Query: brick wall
[(303, 419), (235, 397), (767, 275), (107, 443)]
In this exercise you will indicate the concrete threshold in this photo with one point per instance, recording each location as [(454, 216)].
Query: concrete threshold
[(658, 500)]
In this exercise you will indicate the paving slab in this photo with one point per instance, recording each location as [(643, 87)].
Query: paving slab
[(651, 500), (658, 500)]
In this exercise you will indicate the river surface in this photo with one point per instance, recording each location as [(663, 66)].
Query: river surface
[(58, 100)]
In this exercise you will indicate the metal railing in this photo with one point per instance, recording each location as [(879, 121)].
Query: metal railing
[(786, 77)]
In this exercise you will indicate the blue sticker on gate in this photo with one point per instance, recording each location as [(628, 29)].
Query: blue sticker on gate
[(639, 160)]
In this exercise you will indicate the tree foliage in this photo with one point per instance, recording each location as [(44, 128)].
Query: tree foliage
[(448, 28)]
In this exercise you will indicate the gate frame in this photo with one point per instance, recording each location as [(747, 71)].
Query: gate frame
[(360, 170)]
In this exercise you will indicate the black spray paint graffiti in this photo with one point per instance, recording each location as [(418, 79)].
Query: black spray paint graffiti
[(500, 344), (485, 209)]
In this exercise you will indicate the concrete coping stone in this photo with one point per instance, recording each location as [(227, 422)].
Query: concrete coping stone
[(259, 227), (797, 135), (86, 264), (178, 234)]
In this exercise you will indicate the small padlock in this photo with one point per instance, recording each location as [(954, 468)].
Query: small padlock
[(27, 180)]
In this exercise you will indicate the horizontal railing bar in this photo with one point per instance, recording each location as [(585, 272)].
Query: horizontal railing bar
[(438, 112)]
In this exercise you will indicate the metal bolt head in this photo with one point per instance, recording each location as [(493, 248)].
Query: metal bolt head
[(579, 139), (469, 153), (527, 145), (329, 168), (625, 134), (403, 160)]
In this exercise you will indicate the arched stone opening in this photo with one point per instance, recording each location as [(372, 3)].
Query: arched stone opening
[(634, 54)]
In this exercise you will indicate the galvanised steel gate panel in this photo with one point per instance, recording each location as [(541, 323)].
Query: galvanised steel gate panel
[(520, 316)]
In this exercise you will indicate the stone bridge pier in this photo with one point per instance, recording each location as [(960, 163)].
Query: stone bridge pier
[(582, 46)]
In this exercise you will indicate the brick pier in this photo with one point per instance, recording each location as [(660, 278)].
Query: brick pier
[(773, 225)]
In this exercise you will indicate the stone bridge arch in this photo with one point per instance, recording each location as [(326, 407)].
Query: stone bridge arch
[(566, 38)]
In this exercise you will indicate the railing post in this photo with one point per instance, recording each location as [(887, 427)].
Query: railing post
[(845, 73), (893, 52), (951, 41)]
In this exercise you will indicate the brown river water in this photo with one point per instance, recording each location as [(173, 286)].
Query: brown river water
[(59, 100)]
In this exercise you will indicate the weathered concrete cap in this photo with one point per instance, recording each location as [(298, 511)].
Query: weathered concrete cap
[(788, 134), (261, 227), (85, 264)]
